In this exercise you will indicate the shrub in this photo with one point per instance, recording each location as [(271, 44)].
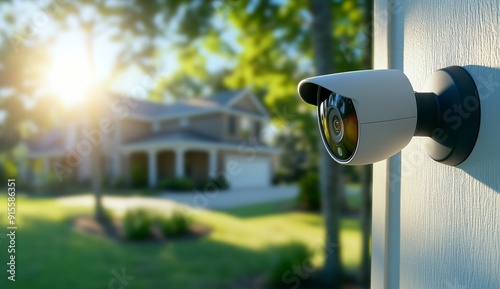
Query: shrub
[(309, 191), (177, 184), (55, 184), (84, 183), (9, 169), (175, 224), (118, 183), (287, 256), (283, 176), (139, 176), (105, 181), (137, 224), (218, 182), (2, 172)]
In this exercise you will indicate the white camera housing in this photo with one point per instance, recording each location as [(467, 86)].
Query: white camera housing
[(389, 113)]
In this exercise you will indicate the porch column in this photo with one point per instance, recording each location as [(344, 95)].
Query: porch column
[(46, 170), (179, 162), (126, 169), (212, 163), (116, 165), (152, 168), (23, 170)]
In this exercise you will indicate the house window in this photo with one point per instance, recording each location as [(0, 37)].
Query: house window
[(232, 125), (257, 127)]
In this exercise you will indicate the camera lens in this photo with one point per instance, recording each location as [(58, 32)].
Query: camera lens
[(335, 124), (338, 124)]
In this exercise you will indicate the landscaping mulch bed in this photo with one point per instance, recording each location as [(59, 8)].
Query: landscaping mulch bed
[(114, 230)]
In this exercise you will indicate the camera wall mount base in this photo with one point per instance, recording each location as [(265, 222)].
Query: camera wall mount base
[(449, 113)]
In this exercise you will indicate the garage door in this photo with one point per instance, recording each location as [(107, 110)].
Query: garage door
[(243, 172)]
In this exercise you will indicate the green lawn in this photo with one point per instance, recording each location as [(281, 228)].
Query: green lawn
[(50, 254)]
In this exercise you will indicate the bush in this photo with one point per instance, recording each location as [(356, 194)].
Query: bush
[(175, 224), (118, 183), (84, 183), (287, 256), (309, 191), (218, 183), (105, 181), (55, 185), (9, 169), (139, 176), (283, 176), (137, 224), (177, 184)]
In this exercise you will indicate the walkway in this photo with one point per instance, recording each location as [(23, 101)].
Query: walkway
[(197, 200), (233, 198)]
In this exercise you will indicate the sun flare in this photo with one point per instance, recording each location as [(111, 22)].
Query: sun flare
[(69, 78)]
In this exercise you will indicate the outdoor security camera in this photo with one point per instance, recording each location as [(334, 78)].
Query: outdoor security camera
[(367, 116)]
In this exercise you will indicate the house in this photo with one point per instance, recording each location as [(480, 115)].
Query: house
[(196, 138)]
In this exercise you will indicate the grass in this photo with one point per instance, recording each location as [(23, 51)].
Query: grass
[(260, 210), (50, 254), (45, 192)]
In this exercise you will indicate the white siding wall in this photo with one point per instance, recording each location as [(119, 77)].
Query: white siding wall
[(449, 228)]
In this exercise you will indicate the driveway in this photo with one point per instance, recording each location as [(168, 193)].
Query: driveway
[(232, 197)]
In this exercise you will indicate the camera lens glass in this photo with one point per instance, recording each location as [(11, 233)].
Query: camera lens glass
[(338, 124)]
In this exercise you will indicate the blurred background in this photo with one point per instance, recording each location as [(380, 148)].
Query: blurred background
[(162, 144)]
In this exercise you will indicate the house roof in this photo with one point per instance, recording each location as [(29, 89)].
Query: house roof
[(186, 137), (52, 143), (182, 135), (224, 98), (147, 110)]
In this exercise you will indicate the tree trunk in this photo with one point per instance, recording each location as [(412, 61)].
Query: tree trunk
[(330, 171), (367, 171), (96, 183), (94, 113), (368, 10)]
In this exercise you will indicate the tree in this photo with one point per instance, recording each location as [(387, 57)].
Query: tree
[(367, 172), (14, 70), (330, 171), (135, 25), (128, 23)]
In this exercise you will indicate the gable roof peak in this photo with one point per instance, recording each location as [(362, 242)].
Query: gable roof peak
[(226, 97)]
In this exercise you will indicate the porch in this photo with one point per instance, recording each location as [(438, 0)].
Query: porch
[(157, 164), (185, 154)]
